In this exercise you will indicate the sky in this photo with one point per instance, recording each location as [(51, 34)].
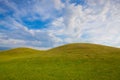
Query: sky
[(44, 24)]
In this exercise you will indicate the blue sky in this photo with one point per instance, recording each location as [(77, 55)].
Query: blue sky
[(44, 24)]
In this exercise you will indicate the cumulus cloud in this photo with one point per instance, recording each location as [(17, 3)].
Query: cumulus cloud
[(15, 33), (95, 21)]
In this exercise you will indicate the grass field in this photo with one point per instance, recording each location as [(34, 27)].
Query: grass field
[(77, 61)]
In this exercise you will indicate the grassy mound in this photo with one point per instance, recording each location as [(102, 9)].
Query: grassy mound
[(69, 62)]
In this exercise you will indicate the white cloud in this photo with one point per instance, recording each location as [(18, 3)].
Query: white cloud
[(98, 22), (19, 35), (58, 4)]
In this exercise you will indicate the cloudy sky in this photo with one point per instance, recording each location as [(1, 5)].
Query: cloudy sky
[(45, 24)]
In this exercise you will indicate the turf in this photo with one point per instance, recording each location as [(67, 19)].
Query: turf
[(77, 61)]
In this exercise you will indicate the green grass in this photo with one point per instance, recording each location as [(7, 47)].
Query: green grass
[(69, 62)]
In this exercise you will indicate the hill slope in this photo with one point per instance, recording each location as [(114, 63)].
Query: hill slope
[(68, 62)]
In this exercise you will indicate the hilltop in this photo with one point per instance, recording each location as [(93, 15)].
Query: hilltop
[(78, 61)]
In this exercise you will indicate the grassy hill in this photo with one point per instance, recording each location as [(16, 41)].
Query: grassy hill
[(77, 61)]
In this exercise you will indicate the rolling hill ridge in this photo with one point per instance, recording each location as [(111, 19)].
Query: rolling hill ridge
[(78, 61)]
